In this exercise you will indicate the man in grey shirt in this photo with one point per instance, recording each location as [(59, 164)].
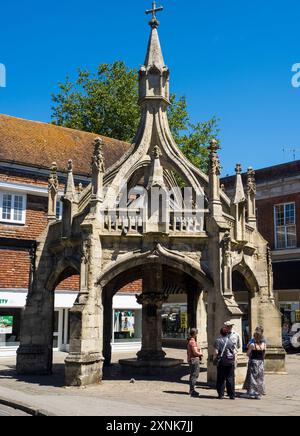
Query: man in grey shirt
[(233, 336)]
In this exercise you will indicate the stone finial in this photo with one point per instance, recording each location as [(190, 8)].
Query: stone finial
[(53, 179), (238, 168), (251, 193), (251, 184), (214, 146), (70, 166), (70, 189), (154, 23), (214, 158), (239, 196), (52, 192), (98, 161)]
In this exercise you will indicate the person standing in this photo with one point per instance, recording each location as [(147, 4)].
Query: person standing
[(224, 359), (260, 330), (194, 355), (255, 380), (233, 336)]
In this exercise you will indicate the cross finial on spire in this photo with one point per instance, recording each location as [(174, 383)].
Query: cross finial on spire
[(238, 168), (154, 23)]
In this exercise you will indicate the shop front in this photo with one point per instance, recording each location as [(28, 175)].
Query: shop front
[(12, 303), (175, 321), (290, 325), (127, 323)]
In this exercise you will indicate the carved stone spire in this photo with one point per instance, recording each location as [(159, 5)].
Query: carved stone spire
[(251, 196), (239, 194), (98, 169), (70, 202), (239, 205), (70, 189), (154, 74), (214, 179), (157, 172), (52, 192)]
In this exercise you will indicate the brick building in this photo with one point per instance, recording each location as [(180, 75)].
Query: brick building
[(278, 217), (27, 149)]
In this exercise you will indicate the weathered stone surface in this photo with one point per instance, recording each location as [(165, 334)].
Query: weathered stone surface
[(198, 245)]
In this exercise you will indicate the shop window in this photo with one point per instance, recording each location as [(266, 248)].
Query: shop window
[(127, 325), (12, 207), (10, 320), (285, 226), (174, 321), (290, 317)]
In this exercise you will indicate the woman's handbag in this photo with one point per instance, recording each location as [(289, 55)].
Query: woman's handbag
[(218, 359)]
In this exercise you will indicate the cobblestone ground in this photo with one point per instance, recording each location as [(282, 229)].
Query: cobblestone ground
[(116, 396)]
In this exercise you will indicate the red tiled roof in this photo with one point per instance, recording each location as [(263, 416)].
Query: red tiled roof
[(40, 144)]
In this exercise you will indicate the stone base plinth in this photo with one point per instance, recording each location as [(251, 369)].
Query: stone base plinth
[(241, 371), (275, 361), (34, 360), (150, 367), (83, 370)]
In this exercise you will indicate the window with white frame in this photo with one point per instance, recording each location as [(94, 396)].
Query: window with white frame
[(12, 207), (285, 226)]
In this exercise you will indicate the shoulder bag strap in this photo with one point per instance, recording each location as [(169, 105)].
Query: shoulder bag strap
[(223, 351)]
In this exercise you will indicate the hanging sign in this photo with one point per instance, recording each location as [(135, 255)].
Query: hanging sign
[(183, 320)]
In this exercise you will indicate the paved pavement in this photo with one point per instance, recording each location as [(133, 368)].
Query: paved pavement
[(116, 396), (8, 411)]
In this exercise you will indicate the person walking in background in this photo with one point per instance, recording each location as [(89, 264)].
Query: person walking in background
[(194, 358), (224, 359), (255, 380)]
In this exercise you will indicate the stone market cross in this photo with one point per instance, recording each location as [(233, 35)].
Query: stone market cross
[(207, 246)]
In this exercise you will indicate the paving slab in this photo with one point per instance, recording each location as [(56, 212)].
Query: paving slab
[(118, 395)]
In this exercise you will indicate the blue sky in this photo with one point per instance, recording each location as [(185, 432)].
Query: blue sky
[(232, 59)]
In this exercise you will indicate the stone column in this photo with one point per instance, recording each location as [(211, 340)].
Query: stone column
[(201, 324), (34, 355), (152, 300), (107, 326), (269, 317), (84, 364)]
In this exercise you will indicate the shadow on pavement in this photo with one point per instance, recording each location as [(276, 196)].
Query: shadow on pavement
[(55, 380), (112, 372)]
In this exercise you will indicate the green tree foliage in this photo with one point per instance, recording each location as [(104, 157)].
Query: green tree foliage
[(106, 103)]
